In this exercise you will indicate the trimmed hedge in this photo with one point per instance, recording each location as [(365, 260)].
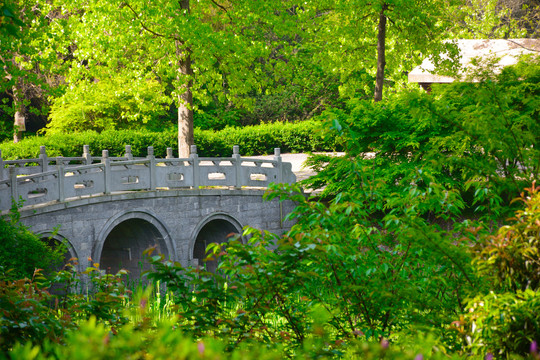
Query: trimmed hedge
[(303, 136)]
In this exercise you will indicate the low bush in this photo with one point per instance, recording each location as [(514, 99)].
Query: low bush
[(343, 268), (253, 140), (506, 320), (25, 313), (93, 341), (22, 252)]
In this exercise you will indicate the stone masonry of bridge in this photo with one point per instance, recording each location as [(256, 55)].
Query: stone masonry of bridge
[(110, 210)]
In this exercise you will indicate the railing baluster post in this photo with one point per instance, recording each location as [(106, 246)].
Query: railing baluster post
[(13, 183), (2, 170), (152, 167), (169, 153), (61, 190), (237, 166), (86, 155), (43, 158), (106, 171), (195, 164), (277, 158), (128, 154)]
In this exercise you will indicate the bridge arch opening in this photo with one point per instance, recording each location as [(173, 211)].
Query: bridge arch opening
[(215, 230), (124, 246), (59, 243)]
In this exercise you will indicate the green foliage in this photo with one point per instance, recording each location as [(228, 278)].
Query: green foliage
[(504, 324), (371, 276), (256, 140), (477, 138), (30, 313), (342, 37), (494, 127), (93, 341), (71, 144), (493, 19), (31, 47), (108, 104), (25, 312), (388, 267), (305, 136), (365, 276), (506, 320), (22, 252), (107, 298), (8, 20), (511, 258)]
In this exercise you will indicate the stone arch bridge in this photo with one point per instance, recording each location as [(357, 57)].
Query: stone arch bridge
[(110, 209)]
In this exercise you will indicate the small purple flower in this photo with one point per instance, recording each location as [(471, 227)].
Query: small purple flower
[(143, 303), (384, 343), (200, 347), (534, 347), (489, 356), (419, 357)]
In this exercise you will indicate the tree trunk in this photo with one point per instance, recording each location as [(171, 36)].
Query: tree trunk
[(381, 56), (185, 97), (185, 108), (19, 120)]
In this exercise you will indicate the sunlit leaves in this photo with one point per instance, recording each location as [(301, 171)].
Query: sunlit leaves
[(346, 31)]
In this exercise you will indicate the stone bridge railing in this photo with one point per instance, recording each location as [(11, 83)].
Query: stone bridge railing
[(47, 179)]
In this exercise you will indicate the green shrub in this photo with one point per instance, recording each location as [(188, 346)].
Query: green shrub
[(478, 138), (93, 341), (22, 252), (371, 276), (25, 314), (29, 312), (506, 320), (254, 140)]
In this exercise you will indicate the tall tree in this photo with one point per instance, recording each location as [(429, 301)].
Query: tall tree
[(195, 49), (370, 43), (26, 58)]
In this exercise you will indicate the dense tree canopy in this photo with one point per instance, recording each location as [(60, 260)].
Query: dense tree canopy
[(123, 64), (202, 49)]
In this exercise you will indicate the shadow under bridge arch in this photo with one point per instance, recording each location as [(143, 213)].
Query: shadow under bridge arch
[(57, 241), (124, 240), (217, 228)]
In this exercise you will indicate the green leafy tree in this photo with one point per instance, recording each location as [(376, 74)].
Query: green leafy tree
[(28, 58), (108, 104), (199, 49), (380, 41), (498, 19)]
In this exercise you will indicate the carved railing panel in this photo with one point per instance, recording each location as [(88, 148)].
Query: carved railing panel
[(45, 179)]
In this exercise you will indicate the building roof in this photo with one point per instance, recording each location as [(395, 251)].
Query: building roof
[(507, 50)]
